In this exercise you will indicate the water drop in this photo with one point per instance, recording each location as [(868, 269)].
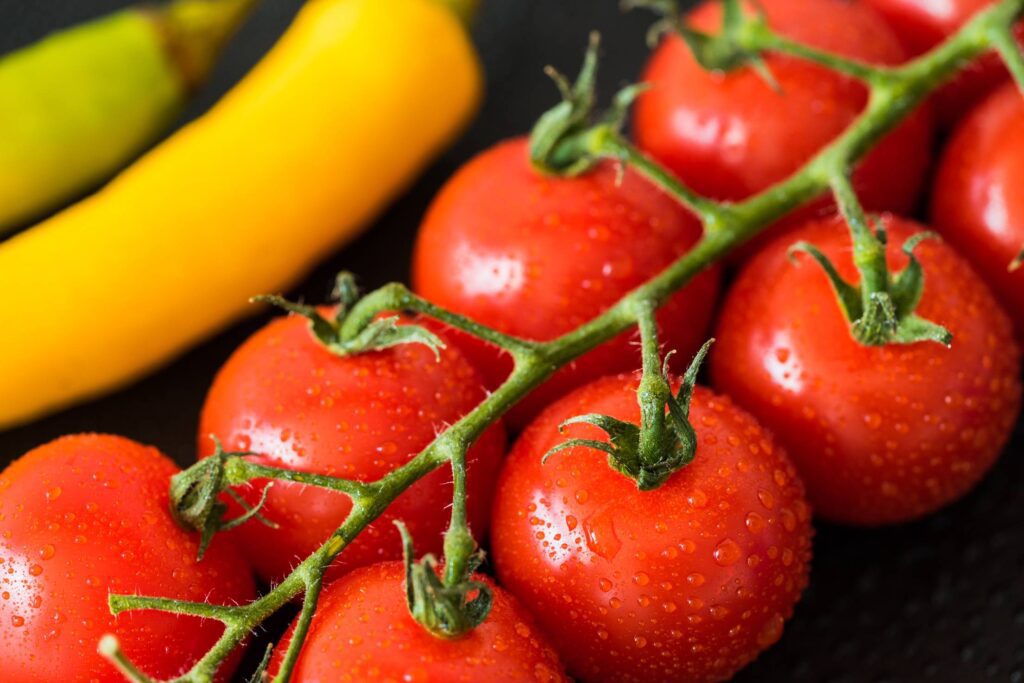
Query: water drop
[(727, 552)]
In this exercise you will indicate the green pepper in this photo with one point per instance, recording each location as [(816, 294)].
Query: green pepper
[(80, 104)]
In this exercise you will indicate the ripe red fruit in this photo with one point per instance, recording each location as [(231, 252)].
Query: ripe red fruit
[(362, 630), (86, 516), (879, 434), (923, 24), (978, 204), (537, 256), (687, 582), (299, 406), (729, 136)]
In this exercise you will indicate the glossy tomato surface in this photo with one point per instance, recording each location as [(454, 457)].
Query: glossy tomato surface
[(729, 136), (923, 24), (978, 204), (283, 396), (879, 434), (86, 516), (537, 256), (363, 631), (688, 582)]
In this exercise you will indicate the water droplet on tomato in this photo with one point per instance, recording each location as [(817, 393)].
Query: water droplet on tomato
[(771, 631), (755, 523), (47, 551), (727, 552), (601, 536), (53, 494)]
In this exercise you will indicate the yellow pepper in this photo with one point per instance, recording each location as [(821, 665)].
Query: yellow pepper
[(356, 97), (80, 104)]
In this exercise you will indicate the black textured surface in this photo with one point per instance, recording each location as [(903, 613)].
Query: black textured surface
[(941, 600)]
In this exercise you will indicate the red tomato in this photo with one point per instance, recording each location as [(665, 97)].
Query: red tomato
[(880, 434), (923, 24), (80, 518), (284, 396), (977, 203), (537, 256), (688, 582), (363, 631), (729, 136)]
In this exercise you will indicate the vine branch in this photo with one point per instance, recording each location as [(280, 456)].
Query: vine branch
[(578, 144)]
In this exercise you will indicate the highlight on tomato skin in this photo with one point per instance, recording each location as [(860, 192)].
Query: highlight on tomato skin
[(536, 256), (880, 435), (684, 583), (729, 136), (85, 516), (977, 203), (296, 405), (363, 631), (923, 24)]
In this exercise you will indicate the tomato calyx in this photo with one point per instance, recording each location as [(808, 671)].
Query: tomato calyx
[(736, 45), (880, 308), (664, 441), (1017, 262), (569, 139), (196, 502), (447, 607), (381, 333)]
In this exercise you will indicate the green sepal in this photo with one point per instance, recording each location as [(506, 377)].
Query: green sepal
[(727, 50), (380, 334), (887, 317), (675, 449), (848, 295), (1017, 262), (384, 333), (565, 140), (445, 610), (196, 502), (260, 675)]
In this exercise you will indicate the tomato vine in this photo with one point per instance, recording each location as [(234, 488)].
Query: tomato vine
[(569, 139)]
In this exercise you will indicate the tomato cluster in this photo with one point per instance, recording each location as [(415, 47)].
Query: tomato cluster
[(595, 578)]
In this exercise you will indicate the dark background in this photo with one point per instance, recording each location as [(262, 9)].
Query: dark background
[(940, 600)]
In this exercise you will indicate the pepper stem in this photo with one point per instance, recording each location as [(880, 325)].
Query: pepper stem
[(195, 31)]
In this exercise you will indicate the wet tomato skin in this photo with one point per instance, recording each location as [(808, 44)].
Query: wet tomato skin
[(363, 631), (729, 136), (923, 24), (85, 516), (688, 582), (537, 256), (879, 434), (283, 396), (977, 204)]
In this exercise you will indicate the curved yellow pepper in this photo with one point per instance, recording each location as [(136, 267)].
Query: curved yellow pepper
[(353, 100)]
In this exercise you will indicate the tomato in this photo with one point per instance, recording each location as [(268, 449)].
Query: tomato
[(688, 582), (537, 256), (287, 398), (729, 136), (978, 204), (363, 631), (923, 24), (86, 516), (879, 434)]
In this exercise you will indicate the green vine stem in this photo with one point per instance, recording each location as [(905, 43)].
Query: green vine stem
[(894, 92)]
